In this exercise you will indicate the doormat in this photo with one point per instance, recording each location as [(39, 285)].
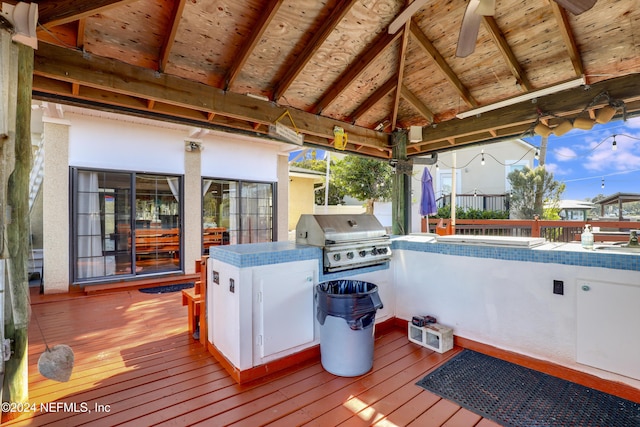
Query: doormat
[(166, 288), (512, 395)]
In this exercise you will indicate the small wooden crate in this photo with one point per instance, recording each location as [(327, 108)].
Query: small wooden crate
[(433, 336)]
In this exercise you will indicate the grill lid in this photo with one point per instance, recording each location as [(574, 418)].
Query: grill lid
[(321, 230)]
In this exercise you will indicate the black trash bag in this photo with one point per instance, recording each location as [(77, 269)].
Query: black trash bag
[(353, 300)]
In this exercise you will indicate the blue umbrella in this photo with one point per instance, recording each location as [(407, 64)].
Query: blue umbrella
[(428, 199)]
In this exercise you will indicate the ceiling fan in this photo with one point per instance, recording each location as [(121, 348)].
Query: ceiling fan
[(473, 14), (476, 9)]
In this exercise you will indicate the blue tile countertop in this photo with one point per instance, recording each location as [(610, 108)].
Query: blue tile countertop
[(257, 254), (555, 253)]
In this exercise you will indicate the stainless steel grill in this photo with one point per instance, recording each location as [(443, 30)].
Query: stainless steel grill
[(347, 241)]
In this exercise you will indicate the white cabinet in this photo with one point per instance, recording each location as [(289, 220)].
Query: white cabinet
[(283, 313), (258, 314), (608, 324)]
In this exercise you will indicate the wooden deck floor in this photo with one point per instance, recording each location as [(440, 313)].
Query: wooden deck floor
[(135, 360)]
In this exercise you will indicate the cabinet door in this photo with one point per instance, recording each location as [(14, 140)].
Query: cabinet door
[(608, 324), (285, 314)]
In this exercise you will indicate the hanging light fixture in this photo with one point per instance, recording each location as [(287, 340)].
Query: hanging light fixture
[(542, 130), (605, 114), (482, 158), (583, 123), (614, 144), (564, 127)]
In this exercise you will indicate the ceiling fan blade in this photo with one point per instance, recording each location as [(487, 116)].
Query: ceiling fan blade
[(486, 8), (405, 15), (576, 6), (469, 30)]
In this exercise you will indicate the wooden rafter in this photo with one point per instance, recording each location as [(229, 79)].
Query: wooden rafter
[(352, 73), (80, 33), (377, 96), (504, 48), (170, 35), (110, 75), (440, 62), (401, 62), (567, 36), (516, 119), (339, 11), (265, 19), (412, 99), (53, 13)]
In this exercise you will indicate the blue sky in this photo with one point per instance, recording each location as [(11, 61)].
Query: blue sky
[(583, 159)]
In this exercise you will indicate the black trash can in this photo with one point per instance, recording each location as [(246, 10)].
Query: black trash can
[(346, 311)]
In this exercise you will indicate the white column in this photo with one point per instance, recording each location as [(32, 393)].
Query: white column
[(56, 216), (192, 222), (282, 201)]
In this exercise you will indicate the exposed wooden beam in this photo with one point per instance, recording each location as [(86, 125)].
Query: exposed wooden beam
[(569, 40), (72, 66), (402, 59), (57, 12), (250, 44), (338, 13), (359, 65), (170, 35), (504, 48), (80, 33), (515, 119), (440, 62), (376, 97), (415, 102)]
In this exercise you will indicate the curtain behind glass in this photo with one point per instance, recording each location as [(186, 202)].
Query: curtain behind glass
[(91, 262)]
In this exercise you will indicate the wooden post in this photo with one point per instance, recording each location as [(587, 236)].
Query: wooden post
[(16, 224), (401, 197)]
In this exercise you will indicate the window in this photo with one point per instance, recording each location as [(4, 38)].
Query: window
[(125, 224), (510, 166), (445, 182), (236, 212)]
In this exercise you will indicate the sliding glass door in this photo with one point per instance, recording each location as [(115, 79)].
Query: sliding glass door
[(124, 224), (236, 212)]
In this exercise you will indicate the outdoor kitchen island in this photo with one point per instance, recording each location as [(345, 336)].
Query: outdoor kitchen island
[(261, 310), (553, 302)]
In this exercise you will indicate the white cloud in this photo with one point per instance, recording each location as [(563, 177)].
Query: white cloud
[(564, 154), (607, 160), (557, 170)]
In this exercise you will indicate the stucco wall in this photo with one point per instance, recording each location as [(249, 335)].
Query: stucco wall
[(55, 199), (508, 304), (96, 140)]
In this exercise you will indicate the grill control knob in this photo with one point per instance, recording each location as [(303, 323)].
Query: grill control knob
[(362, 253), (374, 251), (382, 251), (350, 255), (336, 257)]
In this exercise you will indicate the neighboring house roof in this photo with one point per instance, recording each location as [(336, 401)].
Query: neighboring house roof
[(620, 198), (299, 172), (575, 204)]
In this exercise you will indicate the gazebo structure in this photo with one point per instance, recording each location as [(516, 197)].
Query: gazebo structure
[(618, 199)]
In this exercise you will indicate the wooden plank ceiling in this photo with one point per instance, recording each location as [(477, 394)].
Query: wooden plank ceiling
[(334, 63)]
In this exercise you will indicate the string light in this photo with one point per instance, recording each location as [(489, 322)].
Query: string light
[(537, 155), (482, 158), (602, 185), (614, 144)]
